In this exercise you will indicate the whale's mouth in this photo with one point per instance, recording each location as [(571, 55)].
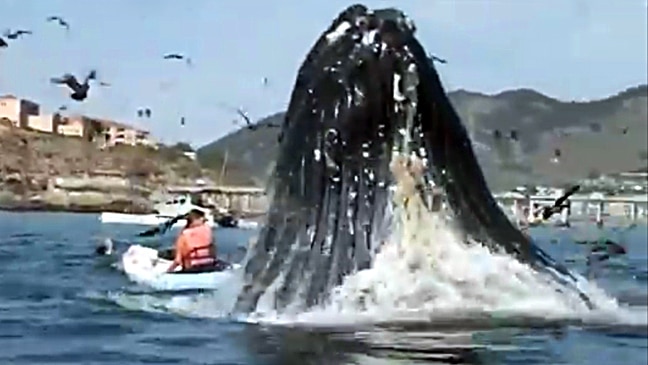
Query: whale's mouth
[(366, 91)]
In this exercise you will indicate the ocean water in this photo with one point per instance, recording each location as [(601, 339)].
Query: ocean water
[(60, 304)]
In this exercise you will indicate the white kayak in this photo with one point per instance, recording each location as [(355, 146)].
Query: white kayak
[(143, 266)]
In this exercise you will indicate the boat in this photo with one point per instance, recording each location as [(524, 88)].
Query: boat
[(144, 266), (164, 211)]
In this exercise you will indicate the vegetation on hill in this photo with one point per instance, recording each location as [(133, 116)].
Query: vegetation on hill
[(30, 159), (599, 136)]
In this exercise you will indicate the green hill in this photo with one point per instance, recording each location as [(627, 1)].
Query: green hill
[(599, 136)]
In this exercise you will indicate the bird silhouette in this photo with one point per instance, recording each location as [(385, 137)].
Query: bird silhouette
[(103, 83), (3, 43), (60, 21), (79, 91), (178, 56), (245, 117), (182, 121), (16, 34), (514, 135), (144, 112), (62, 108), (434, 58)]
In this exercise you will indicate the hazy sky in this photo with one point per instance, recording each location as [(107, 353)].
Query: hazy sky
[(570, 49)]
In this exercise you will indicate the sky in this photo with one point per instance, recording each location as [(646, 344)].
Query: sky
[(568, 49)]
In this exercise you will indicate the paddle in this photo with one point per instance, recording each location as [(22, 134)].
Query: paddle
[(547, 212), (162, 228)]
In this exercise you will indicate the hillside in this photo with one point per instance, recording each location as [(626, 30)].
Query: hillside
[(33, 163), (599, 136)]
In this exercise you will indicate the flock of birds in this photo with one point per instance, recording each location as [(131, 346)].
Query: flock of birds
[(79, 88)]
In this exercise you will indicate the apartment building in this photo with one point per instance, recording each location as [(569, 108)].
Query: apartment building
[(118, 133), (73, 126), (47, 123), (17, 111), (23, 113)]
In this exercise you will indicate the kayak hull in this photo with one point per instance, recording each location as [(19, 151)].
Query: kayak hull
[(143, 266)]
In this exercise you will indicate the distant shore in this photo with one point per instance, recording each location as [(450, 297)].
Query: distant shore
[(73, 203), (116, 207)]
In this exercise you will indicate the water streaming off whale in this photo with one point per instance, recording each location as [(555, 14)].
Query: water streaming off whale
[(365, 91)]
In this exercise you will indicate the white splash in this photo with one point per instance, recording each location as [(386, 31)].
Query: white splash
[(427, 272)]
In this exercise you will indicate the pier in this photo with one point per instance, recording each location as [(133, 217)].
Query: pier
[(243, 199), (594, 205)]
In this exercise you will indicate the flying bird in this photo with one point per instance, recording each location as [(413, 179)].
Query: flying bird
[(79, 91), (3, 43), (182, 121), (16, 34), (177, 56), (104, 84), (60, 21), (145, 112), (434, 58)]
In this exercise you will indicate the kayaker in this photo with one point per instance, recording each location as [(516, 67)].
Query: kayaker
[(194, 248)]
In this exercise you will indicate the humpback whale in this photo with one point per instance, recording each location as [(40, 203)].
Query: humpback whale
[(365, 91)]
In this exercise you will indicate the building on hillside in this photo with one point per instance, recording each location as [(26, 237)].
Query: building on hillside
[(124, 134), (17, 111), (47, 123), (72, 126)]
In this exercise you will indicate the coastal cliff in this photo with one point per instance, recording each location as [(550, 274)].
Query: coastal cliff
[(40, 171)]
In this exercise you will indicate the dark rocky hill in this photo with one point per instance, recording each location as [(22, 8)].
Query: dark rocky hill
[(588, 137)]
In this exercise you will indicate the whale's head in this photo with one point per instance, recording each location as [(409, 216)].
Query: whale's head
[(365, 91)]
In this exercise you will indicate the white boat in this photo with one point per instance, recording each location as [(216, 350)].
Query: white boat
[(164, 211), (143, 266)]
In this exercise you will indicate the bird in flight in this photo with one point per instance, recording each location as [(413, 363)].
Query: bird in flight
[(178, 56), (3, 43), (79, 91), (434, 58), (16, 34), (60, 21), (145, 112)]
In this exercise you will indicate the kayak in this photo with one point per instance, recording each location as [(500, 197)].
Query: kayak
[(143, 266)]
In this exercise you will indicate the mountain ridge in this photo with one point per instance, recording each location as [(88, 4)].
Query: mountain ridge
[(541, 125)]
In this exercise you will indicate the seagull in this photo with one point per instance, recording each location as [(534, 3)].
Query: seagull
[(80, 91), (177, 56), (16, 34), (60, 21)]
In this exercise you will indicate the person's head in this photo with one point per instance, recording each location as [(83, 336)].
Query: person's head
[(195, 217)]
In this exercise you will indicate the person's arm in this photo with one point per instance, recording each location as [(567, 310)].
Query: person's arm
[(179, 252)]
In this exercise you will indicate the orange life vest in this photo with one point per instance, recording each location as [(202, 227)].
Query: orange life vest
[(199, 246)]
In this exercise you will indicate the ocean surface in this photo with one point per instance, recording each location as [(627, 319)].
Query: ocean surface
[(60, 304)]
